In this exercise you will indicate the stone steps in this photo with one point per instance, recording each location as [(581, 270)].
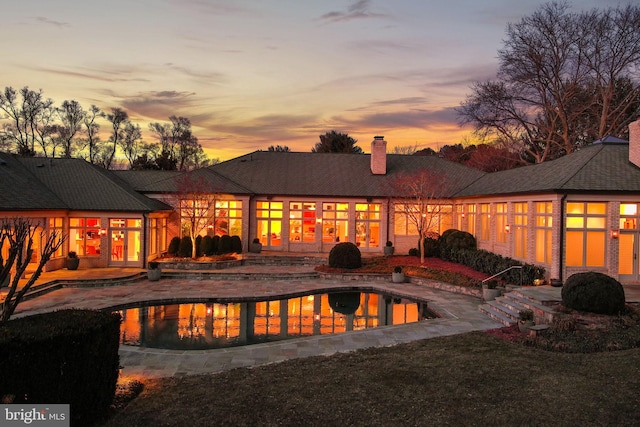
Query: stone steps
[(506, 308), (209, 275)]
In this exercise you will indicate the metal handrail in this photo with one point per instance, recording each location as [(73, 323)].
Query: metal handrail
[(504, 271)]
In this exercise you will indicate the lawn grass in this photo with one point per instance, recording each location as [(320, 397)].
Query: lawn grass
[(464, 380)]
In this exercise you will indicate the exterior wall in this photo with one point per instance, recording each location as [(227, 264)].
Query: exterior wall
[(634, 142)]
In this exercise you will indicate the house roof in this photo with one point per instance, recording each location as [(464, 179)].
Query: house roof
[(333, 174), (601, 167), (73, 184), (20, 189)]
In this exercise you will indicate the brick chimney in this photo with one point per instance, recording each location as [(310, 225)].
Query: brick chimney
[(379, 156), (634, 142)]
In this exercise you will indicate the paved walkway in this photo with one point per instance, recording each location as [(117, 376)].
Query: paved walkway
[(459, 314)]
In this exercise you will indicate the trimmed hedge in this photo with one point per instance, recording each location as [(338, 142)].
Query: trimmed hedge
[(68, 356), (490, 263), (224, 247), (345, 255), (174, 245), (236, 244), (186, 249), (593, 292)]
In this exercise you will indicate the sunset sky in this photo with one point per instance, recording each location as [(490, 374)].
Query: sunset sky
[(255, 73)]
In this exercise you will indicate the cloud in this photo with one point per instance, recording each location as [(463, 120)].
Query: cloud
[(159, 105), (111, 76), (48, 21), (357, 10), (416, 118)]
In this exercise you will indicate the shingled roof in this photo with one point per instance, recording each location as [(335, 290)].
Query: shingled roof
[(602, 167), (71, 184), (332, 174)]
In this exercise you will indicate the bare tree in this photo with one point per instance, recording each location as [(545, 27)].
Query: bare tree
[(421, 197), (279, 148), (92, 129), (131, 142), (180, 148), (25, 111), (19, 234), (558, 71), (196, 201), (407, 150), (118, 119), (72, 116)]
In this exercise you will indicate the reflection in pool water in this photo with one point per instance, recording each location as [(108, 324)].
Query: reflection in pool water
[(196, 326)]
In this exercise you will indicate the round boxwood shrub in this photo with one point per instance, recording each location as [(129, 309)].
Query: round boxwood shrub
[(224, 247), (456, 239), (236, 244), (345, 255), (593, 292), (431, 247), (206, 246), (186, 249)]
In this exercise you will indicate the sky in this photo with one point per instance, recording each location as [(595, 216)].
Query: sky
[(255, 73)]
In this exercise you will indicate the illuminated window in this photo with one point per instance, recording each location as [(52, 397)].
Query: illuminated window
[(544, 231), (269, 222), (84, 238), (403, 225), (585, 238), (436, 219), (302, 222), (629, 216), (520, 229), (501, 222), (368, 224), (335, 222), (485, 221), (55, 225), (153, 236), (228, 218), (471, 219)]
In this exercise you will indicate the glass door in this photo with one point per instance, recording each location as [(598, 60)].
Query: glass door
[(629, 243), (125, 242)]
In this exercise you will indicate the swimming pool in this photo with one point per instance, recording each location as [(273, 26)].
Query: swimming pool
[(219, 324)]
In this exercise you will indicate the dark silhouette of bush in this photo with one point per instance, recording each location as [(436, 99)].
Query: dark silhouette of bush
[(174, 246), (453, 239), (593, 292), (345, 255), (414, 252), (431, 247), (216, 244), (236, 244), (199, 253), (225, 245), (185, 250), (206, 246)]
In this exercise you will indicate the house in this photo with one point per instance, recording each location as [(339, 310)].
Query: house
[(576, 213)]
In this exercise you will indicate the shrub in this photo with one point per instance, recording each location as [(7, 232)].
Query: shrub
[(186, 249), (414, 252), (593, 292), (345, 255), (224, 247), (453, 239), (431, 247), (216, 244), (236, 244), (67, 356), (174, 245), (206, 246), (199, 253)]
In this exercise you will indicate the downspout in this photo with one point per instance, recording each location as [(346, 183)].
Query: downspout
[(388, 219), (145, 235), (562, 231)]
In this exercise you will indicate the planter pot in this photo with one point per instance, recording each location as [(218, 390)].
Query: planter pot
[(397, 277), (154, 274), (388, 250), (556, 283), (73, 263), (524, 326), (490, 294)]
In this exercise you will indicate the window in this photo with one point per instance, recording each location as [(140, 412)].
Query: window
[(228, 218), (84, 237), (471, 219), (163, 234), (485, 221), (368, 224), (520, 230), (628, 216), (302, 222), (153, 236), (269, 223), (403, 225), (543, 230), (586, 231), (501, 222), (436, 219), (335, 222), (55, 225)]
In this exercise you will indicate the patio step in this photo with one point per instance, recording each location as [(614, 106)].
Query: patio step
[(506, 308), (217, 275)]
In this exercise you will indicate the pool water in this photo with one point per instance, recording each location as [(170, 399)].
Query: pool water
[(210, 325)]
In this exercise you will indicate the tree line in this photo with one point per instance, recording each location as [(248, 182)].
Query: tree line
[(34, 126)]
